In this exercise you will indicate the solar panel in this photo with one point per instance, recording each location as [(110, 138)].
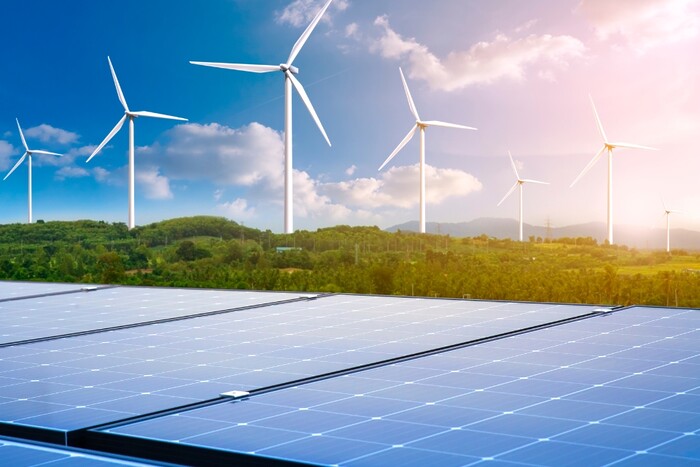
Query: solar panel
[(619, 388), (11, 290), (56, 315), (13, 453), (58, 386)]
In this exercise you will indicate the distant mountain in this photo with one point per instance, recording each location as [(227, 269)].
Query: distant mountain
[(508, 228)]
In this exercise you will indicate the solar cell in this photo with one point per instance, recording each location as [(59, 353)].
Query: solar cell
[(544, 398), (58, 386), (57, 315)]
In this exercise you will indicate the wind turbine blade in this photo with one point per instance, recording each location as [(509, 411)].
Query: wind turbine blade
[(146, 113), (305, 35), (240, 66), (21, 135), (588, 167), (403, 143), (21, 159), (120, 94), (597, 119), (663, 203), (512, 189), (512, 164), (411, 104), (446, 125), (307, 102), (632, 146), (111, 134), (46, 153), (528, 180)]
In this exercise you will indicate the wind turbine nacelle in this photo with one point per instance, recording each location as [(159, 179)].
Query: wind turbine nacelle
[(291, 68)]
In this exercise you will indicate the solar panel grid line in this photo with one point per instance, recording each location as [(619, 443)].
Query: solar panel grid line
[(603, 418)]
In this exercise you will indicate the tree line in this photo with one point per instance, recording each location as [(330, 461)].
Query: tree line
[(214, 252)]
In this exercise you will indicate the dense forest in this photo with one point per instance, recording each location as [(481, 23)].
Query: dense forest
[(219, 253)]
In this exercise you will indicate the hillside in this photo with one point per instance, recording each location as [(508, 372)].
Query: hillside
[(631, 236)]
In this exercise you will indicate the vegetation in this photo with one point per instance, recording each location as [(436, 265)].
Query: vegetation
[(215, 252)]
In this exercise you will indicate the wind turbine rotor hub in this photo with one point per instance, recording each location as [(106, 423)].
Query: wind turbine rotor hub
[(292, 69)]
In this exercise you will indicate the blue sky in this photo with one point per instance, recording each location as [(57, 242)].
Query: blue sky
[(519, 71)]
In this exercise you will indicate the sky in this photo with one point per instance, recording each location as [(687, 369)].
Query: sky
[(520, 72)]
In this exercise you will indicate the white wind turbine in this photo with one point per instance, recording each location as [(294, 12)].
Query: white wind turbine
[(28, 155), (667, 213), (131, 115), (519, 182), (607, 146), (289, 81), (420, 125)]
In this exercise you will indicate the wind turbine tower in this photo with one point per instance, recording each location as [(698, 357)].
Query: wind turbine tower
[(419, 126), (519, 182), (131, 115), (607, 147), (28, 155), (667, 213), (290, 82)]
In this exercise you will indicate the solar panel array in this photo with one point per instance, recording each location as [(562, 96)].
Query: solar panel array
[(353, 380)]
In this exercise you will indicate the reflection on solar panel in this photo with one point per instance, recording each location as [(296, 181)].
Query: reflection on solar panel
[(341, 379), (623, 387), (54, 315)]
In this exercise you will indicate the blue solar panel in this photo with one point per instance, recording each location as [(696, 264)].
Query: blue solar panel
[(15, 454), (55, 315), (621, 388), (72, 383), (11, 290)]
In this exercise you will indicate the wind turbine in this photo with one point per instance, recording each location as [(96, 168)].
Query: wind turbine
[(131, 115), (519, 182), (28, 155), (289, 81), (667, 213), (607, 146), (420, 125)]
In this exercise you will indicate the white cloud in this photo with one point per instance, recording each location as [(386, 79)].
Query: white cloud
[(252, 158), (245, 157), (71, 172), (398, 187), (483, 63), (6, 152), (643, 23), (153, 184), (299, 13), (48, 134), (352, 30), (101, 175), (350, 170), (237, 209)]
